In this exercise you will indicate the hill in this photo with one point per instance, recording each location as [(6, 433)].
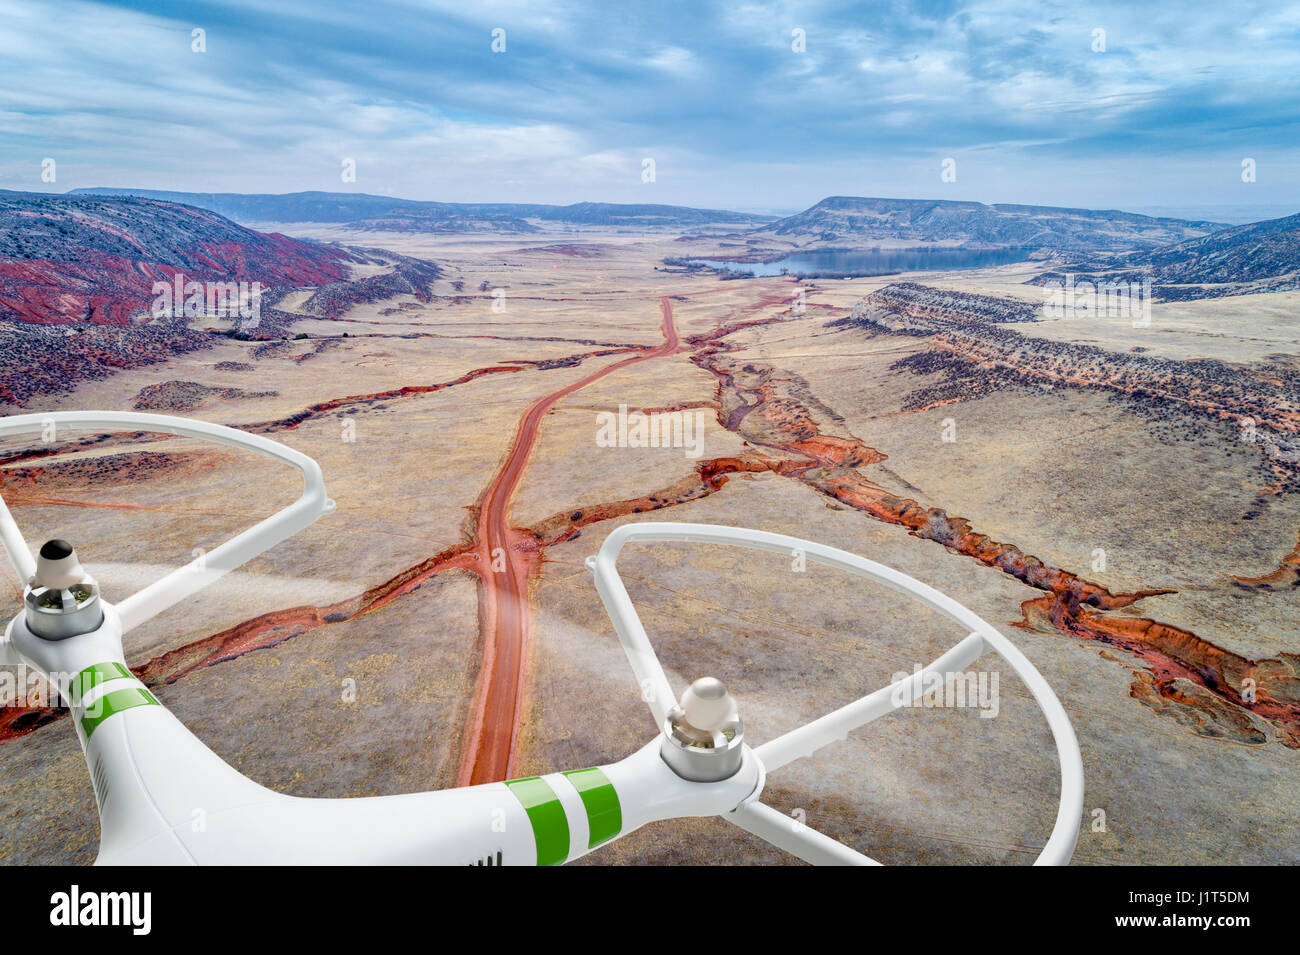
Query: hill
[(87, 259), (1240, 260), (1247, 253), (77, 276), (850, 221)]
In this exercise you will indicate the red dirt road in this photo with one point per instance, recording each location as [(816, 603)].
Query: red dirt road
[(508, 557)]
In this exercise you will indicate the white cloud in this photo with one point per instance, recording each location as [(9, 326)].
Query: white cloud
[(674, 60), (413, 93)]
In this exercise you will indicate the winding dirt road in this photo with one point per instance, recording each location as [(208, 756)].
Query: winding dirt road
[(508, 557)]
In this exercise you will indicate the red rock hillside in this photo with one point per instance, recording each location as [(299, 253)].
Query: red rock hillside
[(77, 274), (93, 260)]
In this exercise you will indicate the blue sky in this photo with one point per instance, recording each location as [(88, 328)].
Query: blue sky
[(732, 115)]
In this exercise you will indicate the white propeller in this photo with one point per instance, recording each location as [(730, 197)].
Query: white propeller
[(765, 822), (164, 797)]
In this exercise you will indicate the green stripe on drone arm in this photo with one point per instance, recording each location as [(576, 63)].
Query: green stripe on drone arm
[(550, 824), (604, 814), (93, 676), (113, 703)]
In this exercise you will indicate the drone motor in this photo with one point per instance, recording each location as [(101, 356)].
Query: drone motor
[(62, 600), (703, 736)]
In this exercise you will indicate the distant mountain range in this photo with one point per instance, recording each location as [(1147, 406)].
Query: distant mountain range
[(852, 221), (835, 222), (77, 271), (375, 212), (442, 222)]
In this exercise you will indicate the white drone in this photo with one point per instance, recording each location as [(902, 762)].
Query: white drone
[(151, 775)]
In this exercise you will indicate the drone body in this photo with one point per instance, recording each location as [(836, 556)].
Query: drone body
[(165, 798)]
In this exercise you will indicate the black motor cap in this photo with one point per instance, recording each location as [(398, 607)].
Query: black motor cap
[(56, 549)]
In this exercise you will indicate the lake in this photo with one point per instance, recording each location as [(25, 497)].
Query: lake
[(875, 261)]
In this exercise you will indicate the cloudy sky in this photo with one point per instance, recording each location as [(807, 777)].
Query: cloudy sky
[(766, 106)]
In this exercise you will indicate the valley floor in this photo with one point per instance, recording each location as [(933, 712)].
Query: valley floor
[(1143, 559)]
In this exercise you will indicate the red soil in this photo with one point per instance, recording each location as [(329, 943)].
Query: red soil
[(505, 611)]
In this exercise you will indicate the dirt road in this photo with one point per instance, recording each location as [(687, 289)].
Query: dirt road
[(508, 557)]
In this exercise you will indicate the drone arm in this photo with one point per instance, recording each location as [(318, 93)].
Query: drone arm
[(837, 724), (540, 820)]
